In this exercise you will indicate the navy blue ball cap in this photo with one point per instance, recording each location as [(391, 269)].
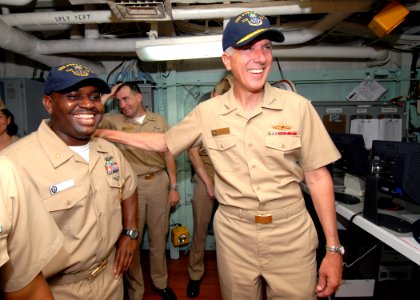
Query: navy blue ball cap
[(64, 77), (248, 27)]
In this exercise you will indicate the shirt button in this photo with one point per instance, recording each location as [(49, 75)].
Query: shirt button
[(68, 202)]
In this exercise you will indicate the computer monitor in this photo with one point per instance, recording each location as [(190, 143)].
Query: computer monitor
[(395, 173), (354, 155)]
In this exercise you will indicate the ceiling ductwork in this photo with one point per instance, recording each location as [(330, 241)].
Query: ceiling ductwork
[(82, 29), (141, 10)]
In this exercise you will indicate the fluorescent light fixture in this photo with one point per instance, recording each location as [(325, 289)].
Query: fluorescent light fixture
[(178, 48)]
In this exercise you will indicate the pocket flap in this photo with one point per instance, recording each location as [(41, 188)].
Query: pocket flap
[(283, 143), (65, 199), (222, 143)]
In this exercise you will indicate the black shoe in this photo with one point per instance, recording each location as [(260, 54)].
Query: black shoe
[(166, 293), (193, 288)]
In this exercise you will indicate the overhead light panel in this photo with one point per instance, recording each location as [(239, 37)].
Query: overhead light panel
[(179, 48)]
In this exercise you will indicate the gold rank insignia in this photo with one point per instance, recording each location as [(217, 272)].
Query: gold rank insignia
[(282, 127), (220, 131)]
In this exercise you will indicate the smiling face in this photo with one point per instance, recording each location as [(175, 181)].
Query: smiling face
[(75, 115), (129, 102), (250, 65)]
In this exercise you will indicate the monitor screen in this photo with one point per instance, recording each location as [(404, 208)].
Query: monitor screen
[(394, 174), (354, 155), (398, 166)]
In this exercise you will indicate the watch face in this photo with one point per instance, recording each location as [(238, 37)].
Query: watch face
[(132, 233)]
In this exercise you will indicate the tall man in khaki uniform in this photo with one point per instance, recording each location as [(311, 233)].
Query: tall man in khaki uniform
[(263, 143), (29, 239), (86, 185), (203, 204), (157, 188)]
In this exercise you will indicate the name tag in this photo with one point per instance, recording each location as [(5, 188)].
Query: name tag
[(61, 186), (220, 131)]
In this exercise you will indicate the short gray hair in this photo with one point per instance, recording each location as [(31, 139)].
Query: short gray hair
[(229, 51)]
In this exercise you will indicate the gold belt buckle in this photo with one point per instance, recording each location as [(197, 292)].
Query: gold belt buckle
[(99, 268), (149, 176), (263, 218)]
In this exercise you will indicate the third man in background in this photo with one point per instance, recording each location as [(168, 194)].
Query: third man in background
[(157, 187), (203, 204)]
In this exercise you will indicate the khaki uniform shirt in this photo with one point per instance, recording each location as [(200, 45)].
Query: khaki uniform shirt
[(141, 161), (259, 158), (83, 198), (29, 237)]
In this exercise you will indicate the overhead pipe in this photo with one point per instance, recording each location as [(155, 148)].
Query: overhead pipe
[(128, 45), (38, 49), (59, 17), (23, 43), (332, 52), (187, 13), (15, 2), (270, 8), (305, 35)]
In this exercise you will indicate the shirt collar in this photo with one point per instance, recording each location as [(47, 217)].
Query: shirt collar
[(273, 99), (58, 151)]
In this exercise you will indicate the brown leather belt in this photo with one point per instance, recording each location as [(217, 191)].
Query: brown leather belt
[(151, 175), (83, 275), (263, 217)]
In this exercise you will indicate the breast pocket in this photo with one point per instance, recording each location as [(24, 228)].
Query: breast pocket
[(68, 208), (281, 148), (224, 153)]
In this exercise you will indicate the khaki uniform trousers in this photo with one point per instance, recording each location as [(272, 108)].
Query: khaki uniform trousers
[(202, 207), (281, 252), (153, 211), (104, 286)]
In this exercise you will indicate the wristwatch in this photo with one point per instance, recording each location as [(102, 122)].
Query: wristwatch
[(337, 249), (173, 187), (131, 233)]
